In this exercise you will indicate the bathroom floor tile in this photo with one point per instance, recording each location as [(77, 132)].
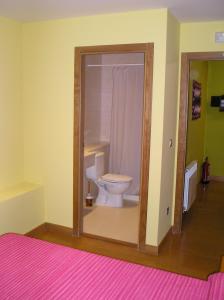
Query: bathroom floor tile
[(112, 222)]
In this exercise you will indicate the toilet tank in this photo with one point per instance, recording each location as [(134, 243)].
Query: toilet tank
[(101, 147), (97, 170)]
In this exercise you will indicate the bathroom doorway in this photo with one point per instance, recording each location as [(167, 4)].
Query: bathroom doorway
[(112, 141)]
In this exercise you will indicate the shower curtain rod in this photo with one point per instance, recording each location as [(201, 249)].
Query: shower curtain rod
[(115, 65)]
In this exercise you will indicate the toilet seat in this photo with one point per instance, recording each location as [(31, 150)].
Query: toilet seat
[(116, 178), (111, 189)]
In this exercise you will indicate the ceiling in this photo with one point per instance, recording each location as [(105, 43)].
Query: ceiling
[(37, 10)]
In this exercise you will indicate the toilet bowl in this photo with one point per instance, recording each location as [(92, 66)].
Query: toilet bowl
[(111, 187)]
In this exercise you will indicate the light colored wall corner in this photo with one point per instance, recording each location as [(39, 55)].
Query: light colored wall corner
[(32, 123), (11, 130), (48, 80), (169, 127)]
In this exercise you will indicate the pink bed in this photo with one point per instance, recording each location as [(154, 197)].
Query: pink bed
[(33, 269)]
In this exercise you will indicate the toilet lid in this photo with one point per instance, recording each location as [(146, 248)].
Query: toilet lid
[(116, 178)]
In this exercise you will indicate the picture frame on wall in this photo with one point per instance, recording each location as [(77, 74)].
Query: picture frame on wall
[(196, 100)]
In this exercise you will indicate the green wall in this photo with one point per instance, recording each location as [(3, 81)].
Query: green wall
[(205, 136), (196, 128), (214, 142)]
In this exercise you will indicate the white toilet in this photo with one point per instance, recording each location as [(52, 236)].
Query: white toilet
[(111, 186)]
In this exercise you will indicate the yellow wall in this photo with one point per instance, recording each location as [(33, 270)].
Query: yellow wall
[(21, 204), (11, 142), (215, 119), (200, 37), (47, 93), (196, 128), (169, 127), (48, 79)]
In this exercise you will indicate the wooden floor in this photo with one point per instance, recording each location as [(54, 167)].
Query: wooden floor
[(196, 252)]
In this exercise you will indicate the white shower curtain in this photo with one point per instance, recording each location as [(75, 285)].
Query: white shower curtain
[(126, 123)]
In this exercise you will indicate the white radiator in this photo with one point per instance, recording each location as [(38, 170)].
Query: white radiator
[(190, 185)]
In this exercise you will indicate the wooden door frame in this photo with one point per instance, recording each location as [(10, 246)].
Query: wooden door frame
[(147, 49), (182, 131)]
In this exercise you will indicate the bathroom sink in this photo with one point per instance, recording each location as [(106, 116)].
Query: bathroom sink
[(89, 159)]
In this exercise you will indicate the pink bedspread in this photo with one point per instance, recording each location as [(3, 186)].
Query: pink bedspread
[(33, 269)]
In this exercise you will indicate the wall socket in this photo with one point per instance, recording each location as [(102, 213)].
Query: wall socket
[(167, 210)]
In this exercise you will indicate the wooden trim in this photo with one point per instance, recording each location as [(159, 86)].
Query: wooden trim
[(110, 240), (80, 53), (203, 56), (37, 230), (67, 231), (154, 250), (222, 265), (181, 143), (50, 227), (151, 250), (77, 140), (182, 131), (166, 237), (146, 137), (113, 49)]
